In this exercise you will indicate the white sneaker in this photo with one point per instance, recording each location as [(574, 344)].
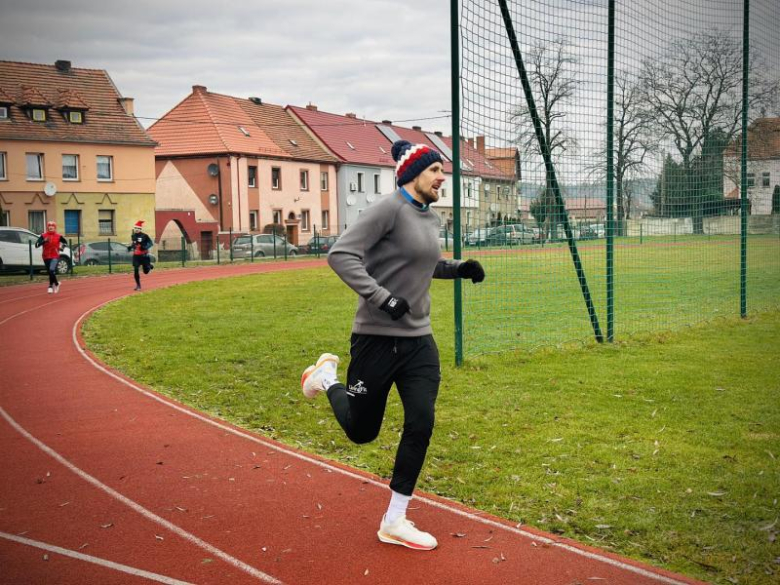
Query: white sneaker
[(51, 290), (56, 288), (313, 376), (403, 532)]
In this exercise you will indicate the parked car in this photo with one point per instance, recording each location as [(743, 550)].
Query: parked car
[(446, 239), (262, 245), (15, 251), (478, 237), (318, 244), (511, 235), (94, 253)]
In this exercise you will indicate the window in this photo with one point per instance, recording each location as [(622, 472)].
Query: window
[(5, 218), (360, 183), (751, 179), (75, 117), (3, 112), (3, 176), (70, 167), (34, 167), (252, 176), (252, 221), (36, 221), (377, 184), (443, 192), (304, 180), (277, 216), (38, 115), (244, 131), (276, 178), (324, 181), (305, 220), (325, 219), (105, 168), (765, 179), (106, 226), (72, 221)]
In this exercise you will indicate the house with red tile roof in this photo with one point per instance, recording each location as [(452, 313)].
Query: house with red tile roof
[(366, 167), (71, 151), (226, 164), (763, 173)]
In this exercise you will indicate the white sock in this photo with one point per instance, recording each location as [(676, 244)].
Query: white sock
[(397, 507), (328, 379)]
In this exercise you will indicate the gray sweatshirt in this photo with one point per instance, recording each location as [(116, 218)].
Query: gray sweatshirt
[(392, 249)]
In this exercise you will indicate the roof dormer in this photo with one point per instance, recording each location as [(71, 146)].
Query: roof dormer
[(72, 106), (6, 101), (34, 104)]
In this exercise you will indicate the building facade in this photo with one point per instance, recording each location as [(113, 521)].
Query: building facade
[(228, 165), (71, 151)]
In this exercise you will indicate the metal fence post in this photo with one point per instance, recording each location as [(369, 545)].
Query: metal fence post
[(72, 257), (30, 246), (183, 251), (109, 256), (219, 245), (251, 247), (230, 243)]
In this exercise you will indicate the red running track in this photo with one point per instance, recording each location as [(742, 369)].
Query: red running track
[(104, 481)]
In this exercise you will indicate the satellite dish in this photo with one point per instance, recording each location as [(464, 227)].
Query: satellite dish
[(351, 200), (50, 189), (213, 169)]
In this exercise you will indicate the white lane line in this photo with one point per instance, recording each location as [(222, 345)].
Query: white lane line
[(96, 560), (281, 449), (191, 538), (14, 316)]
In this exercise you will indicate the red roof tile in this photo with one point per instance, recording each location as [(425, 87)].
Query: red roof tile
[(36, 84), (211, 123), (763, 141), (361, 142), (70, 99)]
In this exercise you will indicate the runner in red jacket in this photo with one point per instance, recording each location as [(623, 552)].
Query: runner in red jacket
[(52, 243)]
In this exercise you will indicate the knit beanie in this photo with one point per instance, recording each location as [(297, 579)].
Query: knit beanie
[(412, 159)]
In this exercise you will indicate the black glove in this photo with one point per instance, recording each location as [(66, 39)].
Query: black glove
[(396, 307), (473, 270)]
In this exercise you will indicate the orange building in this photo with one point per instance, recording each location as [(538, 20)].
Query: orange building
[(71, 151), (229, 164)]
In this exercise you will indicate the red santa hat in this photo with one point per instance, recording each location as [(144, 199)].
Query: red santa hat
[(139, 224)]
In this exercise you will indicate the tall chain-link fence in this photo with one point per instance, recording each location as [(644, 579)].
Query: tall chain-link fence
[(620, 126)]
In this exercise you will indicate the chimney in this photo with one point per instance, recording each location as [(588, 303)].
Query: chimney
[(351, 115), (387, 122), (199, 89), (256, 100), (62, 65), (481, 144), (439, 133), (311, 107), (418, 128), (127, 104), (471, 142)]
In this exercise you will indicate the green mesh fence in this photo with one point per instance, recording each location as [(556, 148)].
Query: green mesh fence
[(608, 237)]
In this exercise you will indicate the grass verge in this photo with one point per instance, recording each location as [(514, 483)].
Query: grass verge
[(664, 449)]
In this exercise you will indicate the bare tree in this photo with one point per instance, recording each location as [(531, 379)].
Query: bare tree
[(694, 93), (633, 143), (552, 74)]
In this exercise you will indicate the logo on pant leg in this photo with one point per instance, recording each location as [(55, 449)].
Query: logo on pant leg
[(358, 388)]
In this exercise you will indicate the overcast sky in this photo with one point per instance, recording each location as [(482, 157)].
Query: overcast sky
[(380, 59)]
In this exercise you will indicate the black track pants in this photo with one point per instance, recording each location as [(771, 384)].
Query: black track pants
[(140, 262), (412, 363)]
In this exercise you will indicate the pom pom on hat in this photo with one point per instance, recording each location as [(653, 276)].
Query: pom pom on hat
[(412, 159)]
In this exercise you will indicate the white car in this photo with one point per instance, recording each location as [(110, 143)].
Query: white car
[(15, 246)]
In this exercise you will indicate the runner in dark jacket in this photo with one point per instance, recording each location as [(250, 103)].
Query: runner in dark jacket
[(140, 244)]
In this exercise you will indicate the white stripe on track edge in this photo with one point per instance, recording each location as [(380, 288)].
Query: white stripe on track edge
[(433, 503), (95, 560), (189, 537)]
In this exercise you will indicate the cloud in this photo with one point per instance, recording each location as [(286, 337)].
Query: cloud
[(377, 58)]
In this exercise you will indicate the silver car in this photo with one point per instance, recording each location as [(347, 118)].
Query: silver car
[(261, 245), (15, 245)]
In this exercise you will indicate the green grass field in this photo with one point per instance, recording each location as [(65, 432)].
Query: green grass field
[(663, 448)]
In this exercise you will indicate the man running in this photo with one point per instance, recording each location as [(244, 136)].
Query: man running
[(388, 257)]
